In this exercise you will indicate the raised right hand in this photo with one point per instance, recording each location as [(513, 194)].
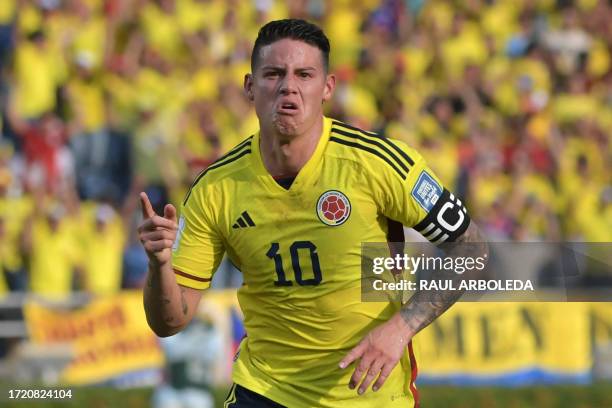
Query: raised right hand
[(157, 233)]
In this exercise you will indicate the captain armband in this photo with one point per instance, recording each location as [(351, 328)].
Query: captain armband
[(447, 219)]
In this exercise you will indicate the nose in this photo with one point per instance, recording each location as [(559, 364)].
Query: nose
[(288, 85)]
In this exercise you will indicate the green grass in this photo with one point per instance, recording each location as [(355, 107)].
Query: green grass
[(595, 396)]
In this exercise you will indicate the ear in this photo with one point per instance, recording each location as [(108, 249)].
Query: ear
[(248, 87), (330, 85)]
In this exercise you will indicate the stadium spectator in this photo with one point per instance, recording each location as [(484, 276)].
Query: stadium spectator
[(11, 218), (48, 162), (51, 241), (103, 246)]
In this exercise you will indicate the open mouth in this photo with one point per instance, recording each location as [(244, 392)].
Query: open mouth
[(288, 108)]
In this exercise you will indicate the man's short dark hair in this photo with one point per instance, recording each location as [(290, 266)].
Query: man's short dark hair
[(294, 29)]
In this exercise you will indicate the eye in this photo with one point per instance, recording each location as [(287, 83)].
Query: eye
[(305, 74), (271, 74)]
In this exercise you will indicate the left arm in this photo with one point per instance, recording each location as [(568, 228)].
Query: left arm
[(380, 351), (424, 307)]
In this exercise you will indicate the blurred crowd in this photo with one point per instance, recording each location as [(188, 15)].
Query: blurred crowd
[(510, 101)]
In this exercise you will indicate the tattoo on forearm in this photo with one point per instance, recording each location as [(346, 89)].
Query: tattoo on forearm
[(418, 313), (424, 307), (471, 236)]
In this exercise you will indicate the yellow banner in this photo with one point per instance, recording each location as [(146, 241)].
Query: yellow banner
[(525, 341), (110, 337)]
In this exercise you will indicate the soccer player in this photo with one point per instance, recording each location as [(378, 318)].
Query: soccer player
[(290, 206)]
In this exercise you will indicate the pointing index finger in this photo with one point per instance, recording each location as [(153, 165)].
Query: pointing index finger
[(147, 208)]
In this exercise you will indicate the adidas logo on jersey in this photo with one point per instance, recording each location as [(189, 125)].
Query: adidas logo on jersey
[(244, 221)]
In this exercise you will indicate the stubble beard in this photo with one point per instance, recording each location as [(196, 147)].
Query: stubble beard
[(285, 125)]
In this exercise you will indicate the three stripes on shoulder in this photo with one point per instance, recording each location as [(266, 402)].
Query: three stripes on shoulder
[(373, 143), (237, 152)]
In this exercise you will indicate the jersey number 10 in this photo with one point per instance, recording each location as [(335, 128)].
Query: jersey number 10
[(295, 263)]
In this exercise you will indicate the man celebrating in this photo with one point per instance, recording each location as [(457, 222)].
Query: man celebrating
[(291, 206)]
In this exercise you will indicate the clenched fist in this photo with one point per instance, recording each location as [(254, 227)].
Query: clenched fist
[(156, 233)]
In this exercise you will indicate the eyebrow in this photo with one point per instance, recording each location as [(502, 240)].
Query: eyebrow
[(279, 68)]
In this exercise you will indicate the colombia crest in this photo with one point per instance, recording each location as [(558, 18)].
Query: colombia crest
[(333, 208)]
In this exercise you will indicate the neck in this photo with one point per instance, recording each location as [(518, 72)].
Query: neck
[(284, 156)]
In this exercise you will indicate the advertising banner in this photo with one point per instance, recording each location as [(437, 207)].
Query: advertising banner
[(110, 337)]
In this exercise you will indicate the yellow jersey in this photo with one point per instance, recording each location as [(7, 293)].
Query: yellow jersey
[(299, 250), (104, 246), (54, 256)]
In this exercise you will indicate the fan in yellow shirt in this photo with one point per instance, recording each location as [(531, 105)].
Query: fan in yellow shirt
[(14, 210), (54, 253), (35, 77), (103, 247)]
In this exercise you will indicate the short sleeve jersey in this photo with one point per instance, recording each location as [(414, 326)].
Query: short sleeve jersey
[(299, 250)]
